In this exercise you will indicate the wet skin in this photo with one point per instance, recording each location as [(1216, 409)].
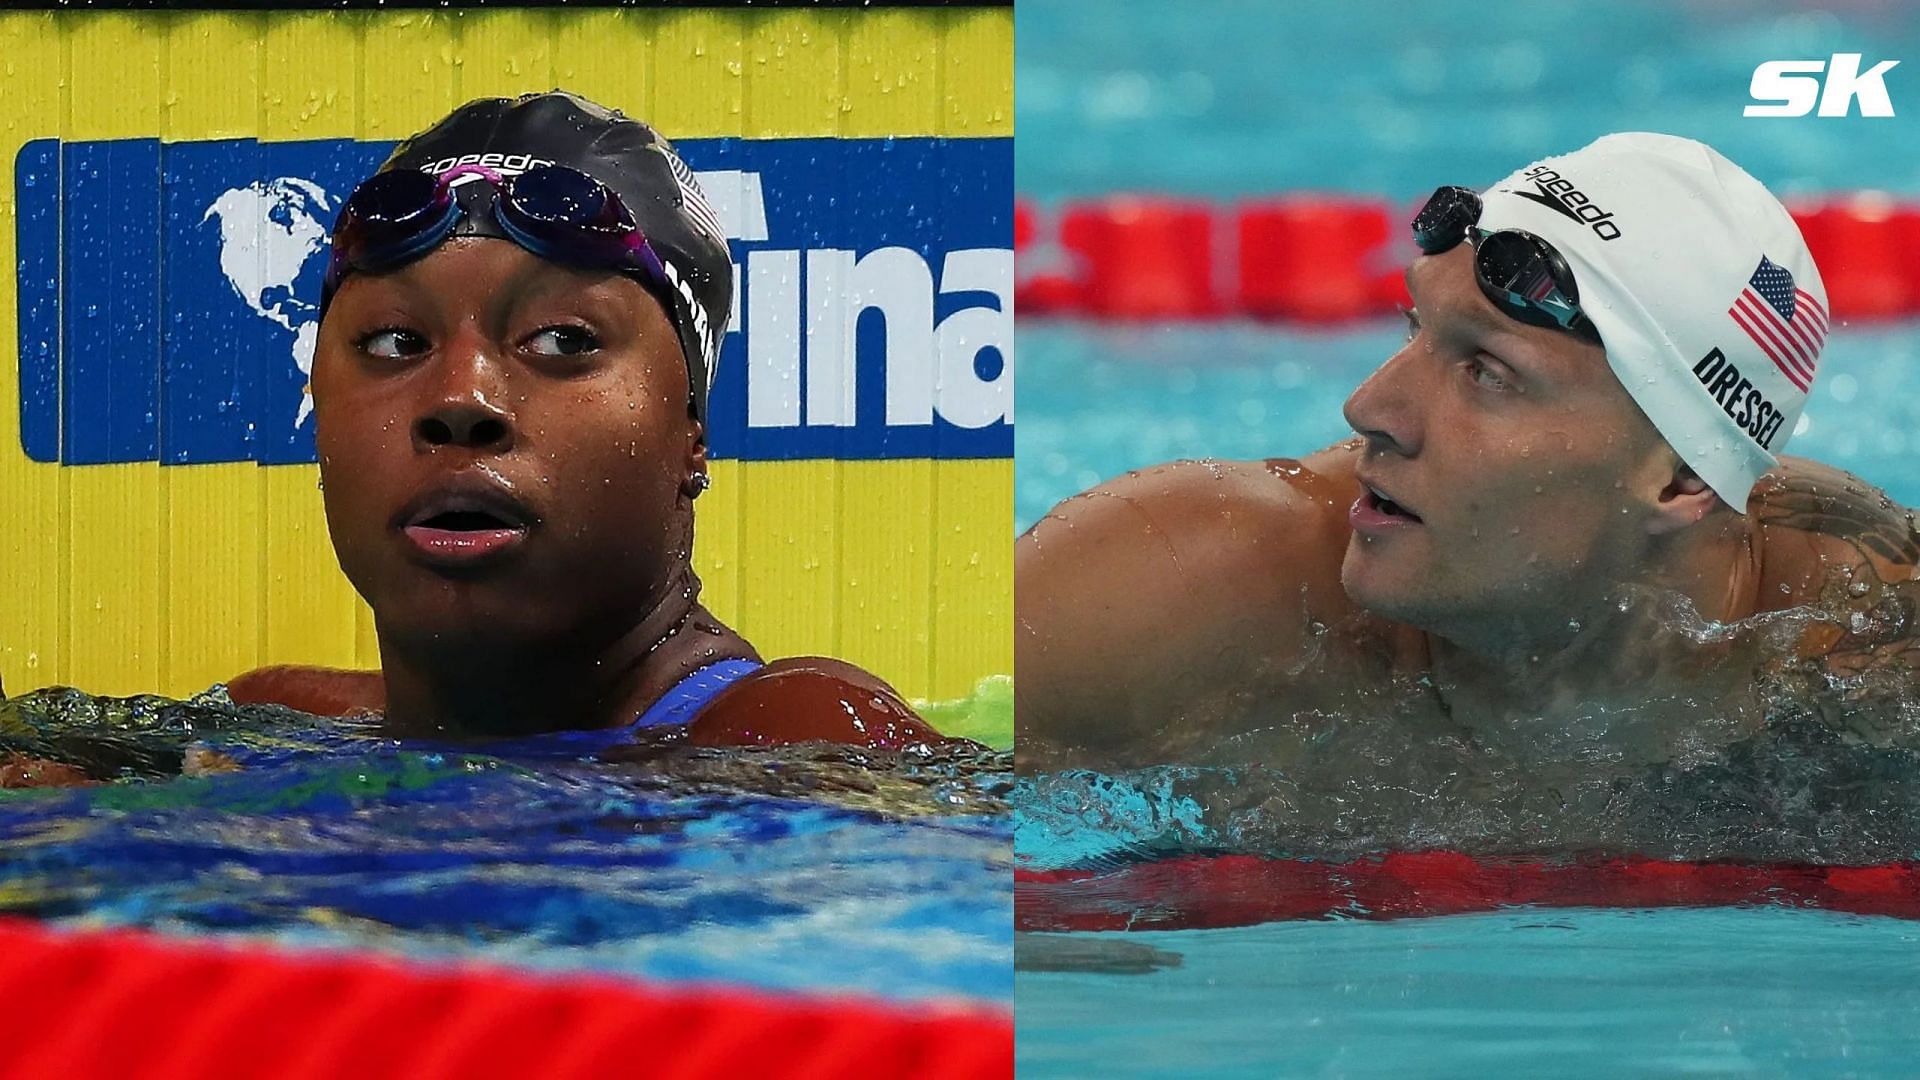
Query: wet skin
[(1498, 543), (509, 466)]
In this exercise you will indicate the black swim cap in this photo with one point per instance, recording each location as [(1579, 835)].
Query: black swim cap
[(511, 135)]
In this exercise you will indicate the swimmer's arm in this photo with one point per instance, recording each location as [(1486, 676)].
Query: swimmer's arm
[(1148, 609), (17, 770), (1843, 548), (316, 690), (1872, 652), (1881, 634), (811, 699)]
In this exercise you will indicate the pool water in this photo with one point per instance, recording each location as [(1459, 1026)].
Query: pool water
[(1223, 98), (1257, 99), (1761, 992), (812, 868), (1097, 400)]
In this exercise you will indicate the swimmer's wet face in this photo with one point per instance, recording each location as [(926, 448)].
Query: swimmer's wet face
[(506, 448), (1511, 478)]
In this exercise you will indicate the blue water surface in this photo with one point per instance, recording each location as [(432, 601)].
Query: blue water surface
[(809, 869), (1249, 97), (1570, 993), (1099, 399)]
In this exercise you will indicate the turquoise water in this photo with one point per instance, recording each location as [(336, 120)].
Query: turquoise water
[(1569, 993), (1097, 400), (1228, 99), (1237, 97), (814, 868)]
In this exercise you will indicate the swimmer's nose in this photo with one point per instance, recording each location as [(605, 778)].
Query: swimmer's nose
[(472, 425), (1384, 410), (463, 411)]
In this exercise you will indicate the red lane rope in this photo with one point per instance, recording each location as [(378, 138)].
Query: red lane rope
[(124, 1004), (1196, 892), (1328, 258)]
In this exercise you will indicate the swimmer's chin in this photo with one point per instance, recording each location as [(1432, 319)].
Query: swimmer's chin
[(1361, 577), (477, 637), (485, 610)]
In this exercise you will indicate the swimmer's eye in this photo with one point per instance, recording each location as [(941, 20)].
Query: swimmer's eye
[(1483, 374), (392, 343), (563, 340)]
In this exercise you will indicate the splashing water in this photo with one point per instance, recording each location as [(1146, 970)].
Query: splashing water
[(1813, 766), (809, 867)]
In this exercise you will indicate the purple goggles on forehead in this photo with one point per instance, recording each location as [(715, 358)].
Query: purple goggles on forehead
[(556, 212)]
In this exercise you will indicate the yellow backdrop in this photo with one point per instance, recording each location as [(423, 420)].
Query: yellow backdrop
[(141, 578)]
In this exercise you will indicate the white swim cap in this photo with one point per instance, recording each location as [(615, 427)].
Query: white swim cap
[(1706, 298)]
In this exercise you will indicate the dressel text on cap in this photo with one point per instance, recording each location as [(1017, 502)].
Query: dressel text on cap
[(1739, 399)]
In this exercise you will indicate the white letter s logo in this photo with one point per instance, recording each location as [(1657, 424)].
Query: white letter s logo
[(1789, 82)]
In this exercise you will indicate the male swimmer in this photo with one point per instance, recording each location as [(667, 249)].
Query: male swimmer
[(517, 336), (1576, 445)]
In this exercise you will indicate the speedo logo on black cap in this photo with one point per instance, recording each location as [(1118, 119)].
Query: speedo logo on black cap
[(701, 325), (1557, 193), (504, 164)]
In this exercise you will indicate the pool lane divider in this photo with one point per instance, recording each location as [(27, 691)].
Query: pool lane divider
[(1326, 259), (1204, 892), (126, 1004)]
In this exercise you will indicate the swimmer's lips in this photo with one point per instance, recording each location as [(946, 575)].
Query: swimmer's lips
[(1376, 512), (464, 525)]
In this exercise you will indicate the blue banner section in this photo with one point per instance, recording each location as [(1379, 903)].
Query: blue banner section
[(167, 296), (37, 281)]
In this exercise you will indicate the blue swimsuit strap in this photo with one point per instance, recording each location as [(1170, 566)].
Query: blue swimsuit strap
[(677, 706), (691, 694)]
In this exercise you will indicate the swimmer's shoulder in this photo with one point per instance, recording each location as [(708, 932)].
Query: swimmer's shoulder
[(810, 699), (1234, 519), (1823, 532), (1835, 543), (320, 691), (800, 699), (1158, 608)]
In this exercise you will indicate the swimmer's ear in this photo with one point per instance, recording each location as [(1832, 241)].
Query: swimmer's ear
[(1684, 501), (694, 479)]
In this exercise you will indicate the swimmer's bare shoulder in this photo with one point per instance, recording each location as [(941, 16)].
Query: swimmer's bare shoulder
[(799, 699), (1152, 611), (1834, 542), (320, 691), (811, 699)]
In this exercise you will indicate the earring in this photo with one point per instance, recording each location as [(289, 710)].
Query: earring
[(701, 482)]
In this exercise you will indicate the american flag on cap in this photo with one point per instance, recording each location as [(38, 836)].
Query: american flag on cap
[(695, 199), (1783, 319)]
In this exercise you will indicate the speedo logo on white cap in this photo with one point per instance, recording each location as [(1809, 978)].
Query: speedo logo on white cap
[(1557, 193), (1709, 306)]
